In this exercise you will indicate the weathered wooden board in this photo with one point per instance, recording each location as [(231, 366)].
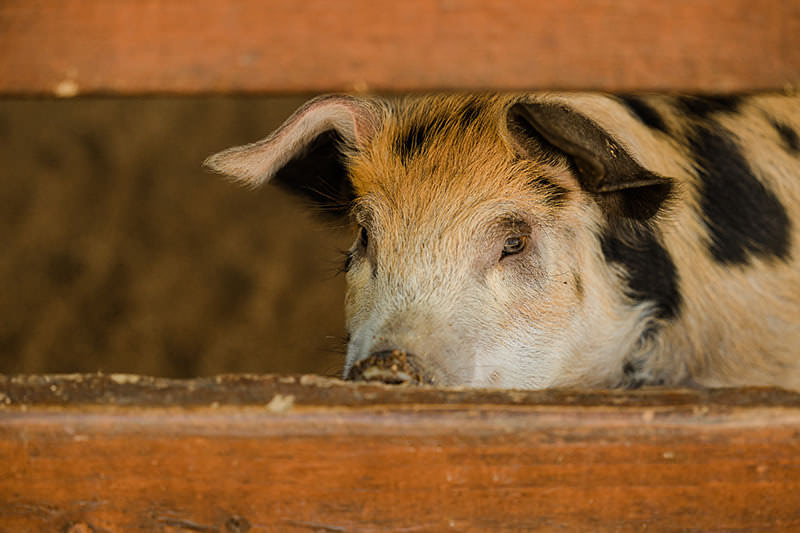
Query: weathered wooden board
[(246, 453), (70, 47)]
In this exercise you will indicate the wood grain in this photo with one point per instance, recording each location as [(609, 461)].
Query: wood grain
[(75, 47), (249, 453)]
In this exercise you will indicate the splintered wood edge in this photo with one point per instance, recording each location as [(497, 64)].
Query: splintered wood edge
[(284, 392)]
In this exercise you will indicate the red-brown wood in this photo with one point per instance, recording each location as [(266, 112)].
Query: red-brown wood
[(243, 453), (70, 47)]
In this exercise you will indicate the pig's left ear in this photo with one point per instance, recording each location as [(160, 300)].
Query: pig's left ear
[(306, 154), (601, 164)]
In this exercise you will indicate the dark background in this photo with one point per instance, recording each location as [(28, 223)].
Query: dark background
[(120, 254)]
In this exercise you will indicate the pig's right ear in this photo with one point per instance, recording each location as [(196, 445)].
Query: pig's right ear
[(602, 165), (306, 154)]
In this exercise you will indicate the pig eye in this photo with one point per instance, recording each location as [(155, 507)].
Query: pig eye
[(514, 245), (363, 239), (348, 262)]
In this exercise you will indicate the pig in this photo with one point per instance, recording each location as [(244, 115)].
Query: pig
[(556, 239)]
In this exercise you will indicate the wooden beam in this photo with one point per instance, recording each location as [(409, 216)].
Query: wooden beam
[(74, 47), (245, 453)]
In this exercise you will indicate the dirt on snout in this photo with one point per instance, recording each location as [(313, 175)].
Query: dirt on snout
[(393, 367)]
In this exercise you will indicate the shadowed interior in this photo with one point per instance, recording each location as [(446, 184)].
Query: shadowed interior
[(120, 254)]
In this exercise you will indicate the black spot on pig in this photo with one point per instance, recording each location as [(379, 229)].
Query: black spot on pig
[(634, 376), (554, 194), (743, 216), (646, 113), (704, 106), (470, 113), (650, 272), (412, 142), (789, 137), (630, 375)]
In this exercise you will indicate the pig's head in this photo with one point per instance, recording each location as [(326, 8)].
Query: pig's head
[(480, 232)]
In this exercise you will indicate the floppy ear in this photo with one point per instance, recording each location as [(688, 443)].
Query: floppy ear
[(306, 154), (602, 166)]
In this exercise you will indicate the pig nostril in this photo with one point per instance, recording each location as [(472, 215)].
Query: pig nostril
[(393, 367)]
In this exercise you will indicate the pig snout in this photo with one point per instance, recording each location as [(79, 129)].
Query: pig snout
[(393, 367)]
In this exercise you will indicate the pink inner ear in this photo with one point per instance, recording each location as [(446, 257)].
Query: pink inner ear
[(365, 124), (353, 118)]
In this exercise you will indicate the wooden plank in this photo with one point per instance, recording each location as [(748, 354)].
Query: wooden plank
[(74, 47), (247, 453)]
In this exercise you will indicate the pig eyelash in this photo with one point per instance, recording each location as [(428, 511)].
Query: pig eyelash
[(347, 261), (349, 255)]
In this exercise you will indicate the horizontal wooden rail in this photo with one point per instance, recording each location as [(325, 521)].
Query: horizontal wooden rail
[(74, 47), (245, 453)]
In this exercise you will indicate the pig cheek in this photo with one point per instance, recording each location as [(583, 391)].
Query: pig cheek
[(512, 307), (534, 312), (550, 306)]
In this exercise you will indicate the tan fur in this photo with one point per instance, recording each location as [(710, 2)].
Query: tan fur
[(430, 282)]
